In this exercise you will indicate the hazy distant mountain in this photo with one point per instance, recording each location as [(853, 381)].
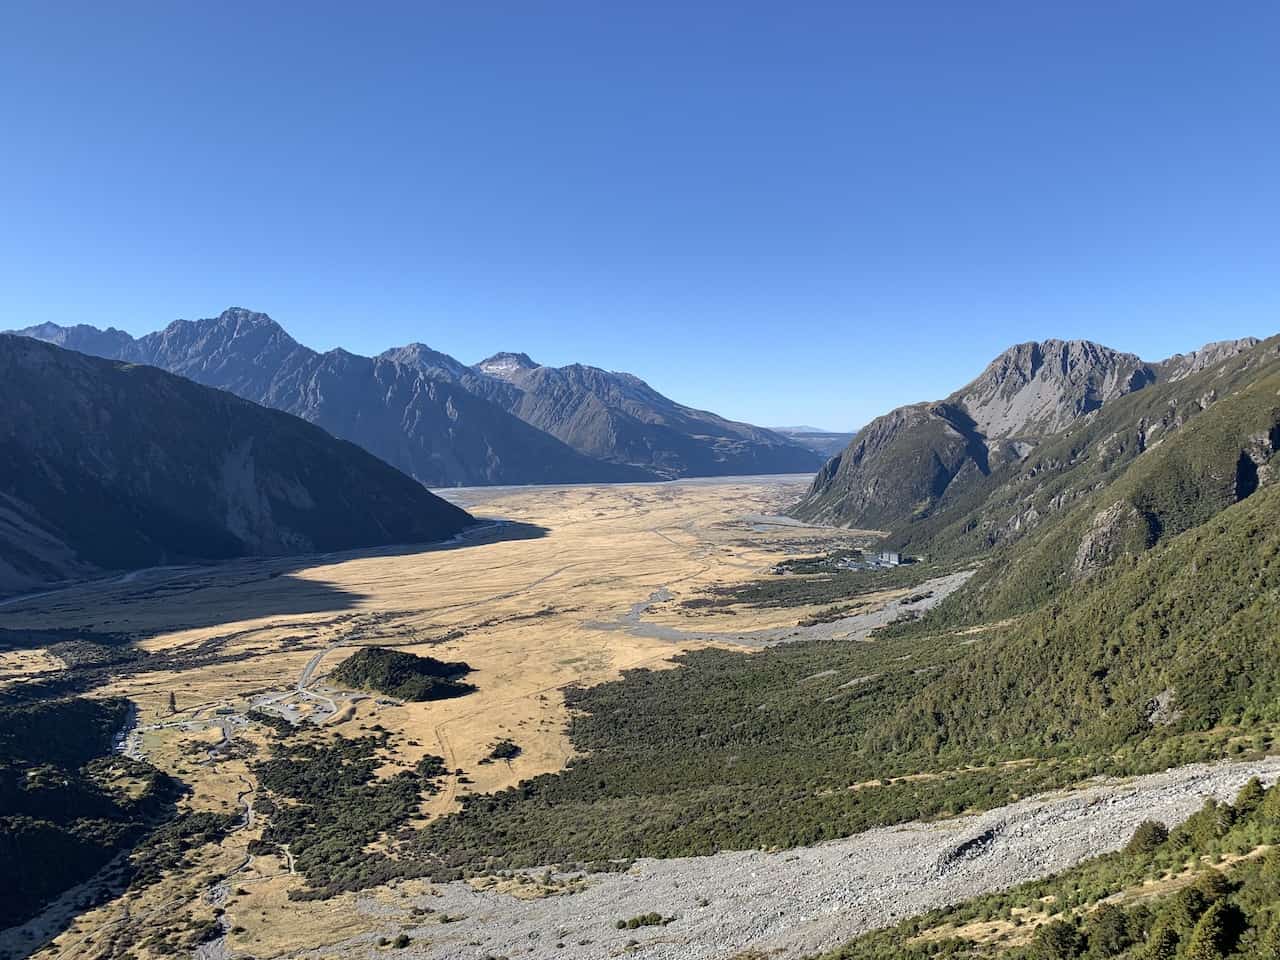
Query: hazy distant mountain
[(907, 463), (506, 420), (800, 429), (619, 417), (81, 337), (826, 442), (111, 466)]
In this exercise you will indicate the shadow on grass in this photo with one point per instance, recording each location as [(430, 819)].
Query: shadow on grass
[(93, 627), (99, 621)]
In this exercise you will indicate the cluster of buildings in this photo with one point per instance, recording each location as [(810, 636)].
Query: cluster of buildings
[(885, 558)]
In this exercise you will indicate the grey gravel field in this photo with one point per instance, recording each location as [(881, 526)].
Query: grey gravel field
[(794, 903)]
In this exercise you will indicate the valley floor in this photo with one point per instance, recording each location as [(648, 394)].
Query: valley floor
[(574, 586)]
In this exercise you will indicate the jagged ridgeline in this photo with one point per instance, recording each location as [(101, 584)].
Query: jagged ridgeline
[(113, 466), (506, 420), (405, 676)]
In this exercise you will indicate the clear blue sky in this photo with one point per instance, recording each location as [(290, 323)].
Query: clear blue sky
[(786, 212)]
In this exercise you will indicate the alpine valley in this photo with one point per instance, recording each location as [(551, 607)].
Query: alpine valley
[(998, 682)]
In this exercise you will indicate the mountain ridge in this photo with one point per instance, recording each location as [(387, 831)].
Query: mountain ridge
[(116, 466), (908, 463), (447, 424)]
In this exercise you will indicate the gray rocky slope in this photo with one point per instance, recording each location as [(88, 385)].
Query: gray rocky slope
[(111, 466)]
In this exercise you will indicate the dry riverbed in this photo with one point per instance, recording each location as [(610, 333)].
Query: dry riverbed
[(794, 903)]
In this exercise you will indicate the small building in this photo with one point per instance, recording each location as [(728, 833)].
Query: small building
[(890, 558)]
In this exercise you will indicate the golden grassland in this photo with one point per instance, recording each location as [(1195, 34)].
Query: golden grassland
[(531, 615)]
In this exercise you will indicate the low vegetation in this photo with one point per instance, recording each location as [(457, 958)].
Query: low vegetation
[(502, 750), (644, 920), (1181, 642), (811, 582), (67, 805), (329, 806), (405, 676), (728, 751), (1165, 660)]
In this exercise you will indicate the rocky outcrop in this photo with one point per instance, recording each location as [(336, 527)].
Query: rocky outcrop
[(1182, 365), (1105, 539), (115, 466), (1040, 388), (1256, 466)]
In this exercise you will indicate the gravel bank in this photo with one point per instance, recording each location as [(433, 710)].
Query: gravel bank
[(856, 627), (800, 901)]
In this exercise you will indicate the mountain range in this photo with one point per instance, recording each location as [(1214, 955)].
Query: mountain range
[(507, 420), (916, 460), (112, 466)]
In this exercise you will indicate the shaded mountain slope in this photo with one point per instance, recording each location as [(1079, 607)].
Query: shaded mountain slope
[(1063, 468), (902, 465), (110, 466), (432, 428), (619, 417), (507, 421)]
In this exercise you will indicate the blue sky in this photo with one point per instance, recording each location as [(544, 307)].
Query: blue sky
[(784, 212)]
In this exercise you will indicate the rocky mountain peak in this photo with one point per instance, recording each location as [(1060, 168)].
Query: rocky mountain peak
[(1043, 386), (239, 322), (424, 358), (504, 365), (235, 329), (245, 317)]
